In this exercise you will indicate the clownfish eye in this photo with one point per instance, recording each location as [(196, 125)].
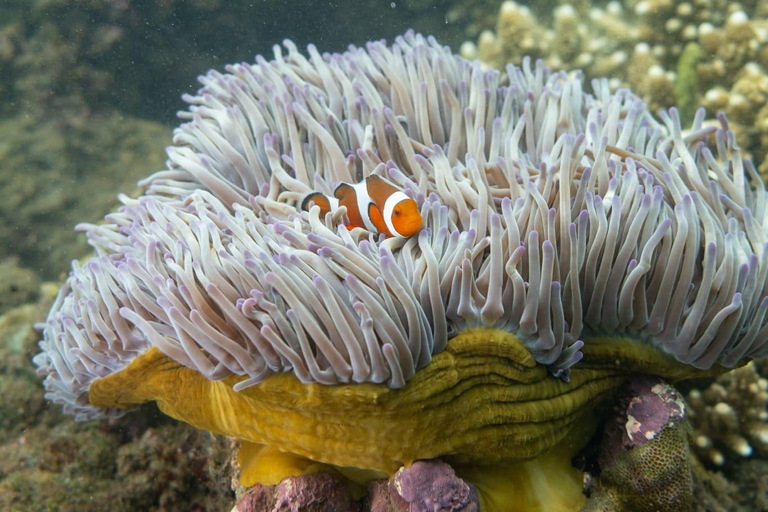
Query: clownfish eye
[(396, 212)]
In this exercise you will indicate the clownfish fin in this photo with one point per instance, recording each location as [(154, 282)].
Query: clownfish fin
[(320, 200), (354, 198), (374, 214), (374, 180), (342, 191), (379, 190)]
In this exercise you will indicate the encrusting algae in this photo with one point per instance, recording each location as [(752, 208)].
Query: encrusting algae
[(569, 241)]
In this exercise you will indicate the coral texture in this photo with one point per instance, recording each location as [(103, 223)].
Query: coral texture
[(731, 416), (549, 213), (648, 45), (425, 486), (644, 455), (316, 492), (144, 461), (433, 485)]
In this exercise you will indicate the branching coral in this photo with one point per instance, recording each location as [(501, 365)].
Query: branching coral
[(731, 416), (640, 44)]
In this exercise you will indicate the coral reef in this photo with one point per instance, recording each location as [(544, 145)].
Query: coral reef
[(628, 472), (22, 401), (713, 53), (592, 230), (89, 468), (731, 416), (644, 456), (166, 466), (143, 462), (687, 83), (430, 485), (63, 69), (52, 57)]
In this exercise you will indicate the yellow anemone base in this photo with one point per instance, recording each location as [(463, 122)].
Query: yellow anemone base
[(548, 483), (484, 401)]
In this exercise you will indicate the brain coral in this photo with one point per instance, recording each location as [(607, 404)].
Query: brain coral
[(551, 214)]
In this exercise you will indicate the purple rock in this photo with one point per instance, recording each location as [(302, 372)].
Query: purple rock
[(258, 498), (430, 486), (652, 405), (318, 492), (383, 497), (645, 406)]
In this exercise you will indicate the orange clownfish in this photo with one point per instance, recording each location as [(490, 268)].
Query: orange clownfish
[(374, 204)]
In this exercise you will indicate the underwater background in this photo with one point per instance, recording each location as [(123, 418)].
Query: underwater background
[(89, 90)]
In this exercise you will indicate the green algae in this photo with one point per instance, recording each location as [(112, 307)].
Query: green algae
[(687, 94)]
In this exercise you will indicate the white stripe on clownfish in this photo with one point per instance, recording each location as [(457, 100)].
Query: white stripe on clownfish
[(374, 204), (363, 200), (389, 209)]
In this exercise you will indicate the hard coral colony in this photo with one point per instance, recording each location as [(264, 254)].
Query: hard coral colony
[(556, 223)]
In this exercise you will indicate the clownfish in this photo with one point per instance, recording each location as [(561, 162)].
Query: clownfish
[(374, 204)]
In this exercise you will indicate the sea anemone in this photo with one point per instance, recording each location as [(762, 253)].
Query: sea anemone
[(557, 224)]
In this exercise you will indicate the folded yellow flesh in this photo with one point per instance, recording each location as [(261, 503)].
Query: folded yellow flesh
[(484, 401)]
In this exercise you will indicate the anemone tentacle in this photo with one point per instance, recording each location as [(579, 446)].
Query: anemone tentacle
[(549, 212)]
